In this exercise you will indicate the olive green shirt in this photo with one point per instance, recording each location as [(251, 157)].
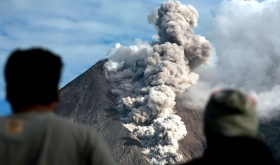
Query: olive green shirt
[(42, 138)]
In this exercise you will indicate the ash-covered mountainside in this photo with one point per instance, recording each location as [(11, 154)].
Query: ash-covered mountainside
[(88, 100)]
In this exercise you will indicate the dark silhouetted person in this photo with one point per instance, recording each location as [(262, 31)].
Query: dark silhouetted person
[(230, 127), (33, 134)]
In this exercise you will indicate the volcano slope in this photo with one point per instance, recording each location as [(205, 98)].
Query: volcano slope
[(88, 100)]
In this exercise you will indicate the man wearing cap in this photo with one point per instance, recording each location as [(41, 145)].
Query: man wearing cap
[(230, 127)]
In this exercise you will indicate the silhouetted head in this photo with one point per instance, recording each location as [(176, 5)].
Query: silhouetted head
[(32, 78), (230, 113)]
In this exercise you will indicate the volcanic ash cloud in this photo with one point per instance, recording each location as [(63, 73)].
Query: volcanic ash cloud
[(147, 78)]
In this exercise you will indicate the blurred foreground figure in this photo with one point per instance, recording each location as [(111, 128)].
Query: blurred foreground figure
[(230, 126), (33, 134)]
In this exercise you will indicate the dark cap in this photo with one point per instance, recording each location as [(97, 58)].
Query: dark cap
[(231, 113)]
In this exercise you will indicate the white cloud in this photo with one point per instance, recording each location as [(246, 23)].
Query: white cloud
[(246, 37)]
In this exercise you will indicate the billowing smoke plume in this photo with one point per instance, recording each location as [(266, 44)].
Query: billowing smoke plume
[(148, 77), (246, 37)]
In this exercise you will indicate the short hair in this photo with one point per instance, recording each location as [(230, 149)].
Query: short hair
[(32, 77)]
